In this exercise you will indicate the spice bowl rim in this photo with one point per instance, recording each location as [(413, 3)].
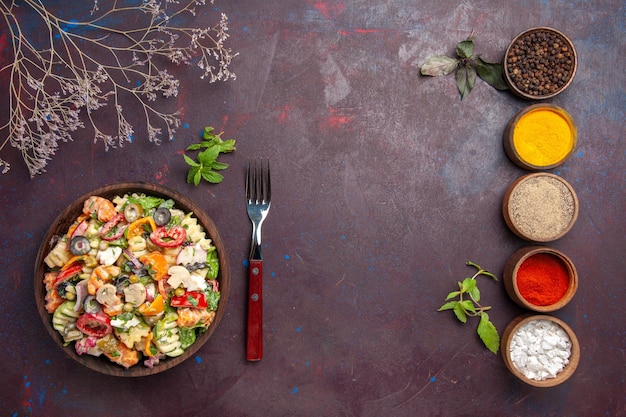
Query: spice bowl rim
[(508, 218), (511, 150), (514, 87), (517, 259), (513, 327)]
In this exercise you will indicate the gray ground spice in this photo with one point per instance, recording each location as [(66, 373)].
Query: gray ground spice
[(541, 207)]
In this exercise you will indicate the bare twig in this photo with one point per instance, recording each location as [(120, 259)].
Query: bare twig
[(84, 66)]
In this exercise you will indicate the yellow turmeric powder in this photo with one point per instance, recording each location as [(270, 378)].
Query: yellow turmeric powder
[(544, 136)]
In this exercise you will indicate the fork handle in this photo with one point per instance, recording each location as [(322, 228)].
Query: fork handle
[(254, 343)]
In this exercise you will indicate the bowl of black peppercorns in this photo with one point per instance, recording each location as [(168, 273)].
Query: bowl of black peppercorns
[(540, 63)]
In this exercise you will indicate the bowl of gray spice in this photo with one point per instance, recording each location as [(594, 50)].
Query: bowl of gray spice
[(539, 63), (540, 207)]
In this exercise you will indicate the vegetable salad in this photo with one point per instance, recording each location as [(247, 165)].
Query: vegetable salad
[(134, 278)]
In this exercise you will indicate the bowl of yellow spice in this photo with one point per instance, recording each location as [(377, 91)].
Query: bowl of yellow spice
[(540, 137)]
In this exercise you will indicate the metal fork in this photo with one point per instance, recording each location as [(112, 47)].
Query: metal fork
[(258, 196)]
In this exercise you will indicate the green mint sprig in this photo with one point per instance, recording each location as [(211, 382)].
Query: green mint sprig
[(467, 305), (205, 165), (467, 66)]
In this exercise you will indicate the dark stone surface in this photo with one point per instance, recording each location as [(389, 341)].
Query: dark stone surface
[(384, 184)]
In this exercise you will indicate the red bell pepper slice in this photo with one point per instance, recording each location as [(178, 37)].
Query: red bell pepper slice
[(96, 325), (111, 231), (192, 299), (68, 273), (169, 237)]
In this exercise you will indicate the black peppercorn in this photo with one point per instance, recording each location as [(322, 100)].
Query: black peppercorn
[(540, 62)]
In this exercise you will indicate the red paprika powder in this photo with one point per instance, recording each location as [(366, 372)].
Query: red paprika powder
[(542, 279)]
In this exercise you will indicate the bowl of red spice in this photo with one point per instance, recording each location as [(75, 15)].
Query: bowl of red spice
[(540, 278), (540, 63)]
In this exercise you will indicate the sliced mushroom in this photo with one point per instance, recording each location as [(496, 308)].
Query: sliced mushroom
[(135, 294)]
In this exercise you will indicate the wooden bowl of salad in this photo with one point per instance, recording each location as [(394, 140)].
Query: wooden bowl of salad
[(131, 279)]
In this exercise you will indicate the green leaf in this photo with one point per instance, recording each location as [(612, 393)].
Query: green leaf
[(468, 285), (460, 313), (212, 177), (488, 333), (219, 166), (195, 147), (439, 65), (190, 161), (227, 145), (207, 132), (192, 174), (489, 274), (465, 79), (197, 176), (453, 294), (475, 294), (491, 73), (448, 306), (465, 49), (208, 156), (468, 306)]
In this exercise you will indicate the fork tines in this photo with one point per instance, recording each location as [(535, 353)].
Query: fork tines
[(258, 185)]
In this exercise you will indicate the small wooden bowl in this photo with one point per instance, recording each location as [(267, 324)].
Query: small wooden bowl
[(61, 225), (540, 215), (505, 347), (516, 65), (560, 116), (511, 269)]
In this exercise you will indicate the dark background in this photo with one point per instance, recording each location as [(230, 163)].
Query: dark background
[(384, 184)]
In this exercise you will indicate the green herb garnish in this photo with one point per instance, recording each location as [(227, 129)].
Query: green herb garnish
[(468, 305), (206, 164), (467, 66)]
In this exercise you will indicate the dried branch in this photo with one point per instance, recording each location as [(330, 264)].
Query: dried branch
[(58, 83)]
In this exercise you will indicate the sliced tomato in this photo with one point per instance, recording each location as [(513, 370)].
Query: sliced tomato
[(193, 299), (168, 237), (96, 325), (111, 230)]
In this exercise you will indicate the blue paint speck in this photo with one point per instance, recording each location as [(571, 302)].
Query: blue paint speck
[(64, 391), (287, 257), (294, 390), (246, 262), (27, 384), (299, 329), (343, 237), (198, 359), (47, 361), (186, 125), (307, 363), (433, 379)]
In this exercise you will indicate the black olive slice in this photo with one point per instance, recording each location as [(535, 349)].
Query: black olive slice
[(79, 245), (162, 216)]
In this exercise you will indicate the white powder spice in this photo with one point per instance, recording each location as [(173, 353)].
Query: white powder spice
[(540, 349)]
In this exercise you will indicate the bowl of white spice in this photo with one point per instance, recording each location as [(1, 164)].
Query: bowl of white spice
[(540, 350)]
